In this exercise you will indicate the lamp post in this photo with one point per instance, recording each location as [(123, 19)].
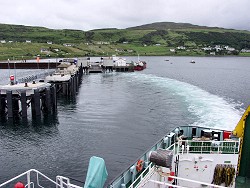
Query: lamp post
[(15, 71), (9, 66)]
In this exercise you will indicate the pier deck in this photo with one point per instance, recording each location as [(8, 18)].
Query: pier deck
[(28, 87)]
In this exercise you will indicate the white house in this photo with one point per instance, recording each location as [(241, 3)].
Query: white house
[(229, 48), (245, 50), (181, 47), (101, 42), (44, 50), (120, 62), (207, 48), (68, 45), (3, 41)]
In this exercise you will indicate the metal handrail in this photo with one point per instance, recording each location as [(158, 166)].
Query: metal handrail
[(185, 146), (59, 180), (149, 168)]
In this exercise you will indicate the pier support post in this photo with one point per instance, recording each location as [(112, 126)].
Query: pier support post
[(2, 104), (48, 99), (53, 98), (71, 86), (9, 104), (77, 81), (74, 84), (24, 104), (65, 88), (35, 103), (15, 104)]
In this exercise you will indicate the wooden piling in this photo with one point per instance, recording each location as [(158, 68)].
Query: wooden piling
[(2, 107), (47, 99), (9, 104), (16, 99), (35, 103), (53, 98), (24, 103)]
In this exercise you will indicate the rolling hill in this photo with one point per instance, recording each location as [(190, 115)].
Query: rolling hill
[(149, 39)]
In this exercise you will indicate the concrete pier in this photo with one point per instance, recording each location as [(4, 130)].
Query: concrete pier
[(66, 79), (105, 65), (15, 100), (129, 68)]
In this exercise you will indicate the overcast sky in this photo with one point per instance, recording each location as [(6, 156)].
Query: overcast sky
[(95, 14)]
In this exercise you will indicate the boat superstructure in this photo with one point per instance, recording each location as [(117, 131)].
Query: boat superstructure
[(188, 156)]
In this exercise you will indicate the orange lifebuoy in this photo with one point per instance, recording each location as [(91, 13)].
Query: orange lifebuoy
[(139, 165)]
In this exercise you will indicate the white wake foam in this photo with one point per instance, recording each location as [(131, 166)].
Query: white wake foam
[(210, 110)]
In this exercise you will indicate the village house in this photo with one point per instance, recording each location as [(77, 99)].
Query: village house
[(67, 45), (245, 50), (44, 50), (130, 51), (207, 48), (101, 42), (229, 48), (119, 50), (181, 48)]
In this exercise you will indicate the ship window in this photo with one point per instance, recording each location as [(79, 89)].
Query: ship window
[(193, 131)]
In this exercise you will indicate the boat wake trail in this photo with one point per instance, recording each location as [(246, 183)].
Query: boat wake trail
[(209, 110)]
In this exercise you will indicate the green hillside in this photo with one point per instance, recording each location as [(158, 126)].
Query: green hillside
[(163, 38)]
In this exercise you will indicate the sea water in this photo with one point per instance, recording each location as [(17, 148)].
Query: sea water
[(118, 116)]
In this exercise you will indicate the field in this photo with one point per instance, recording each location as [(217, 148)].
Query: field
[(26, 42)]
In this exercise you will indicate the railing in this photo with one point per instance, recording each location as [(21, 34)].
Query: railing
[(220, 147), (165, 184), (140, 178), (61, 182), (35, 76)]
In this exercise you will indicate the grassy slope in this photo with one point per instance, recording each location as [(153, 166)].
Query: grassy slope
[(169, 35)]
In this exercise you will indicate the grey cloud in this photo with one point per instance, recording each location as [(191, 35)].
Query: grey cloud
[(93, 14)]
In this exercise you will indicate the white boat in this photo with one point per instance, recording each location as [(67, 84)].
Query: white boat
[(187, 156)]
